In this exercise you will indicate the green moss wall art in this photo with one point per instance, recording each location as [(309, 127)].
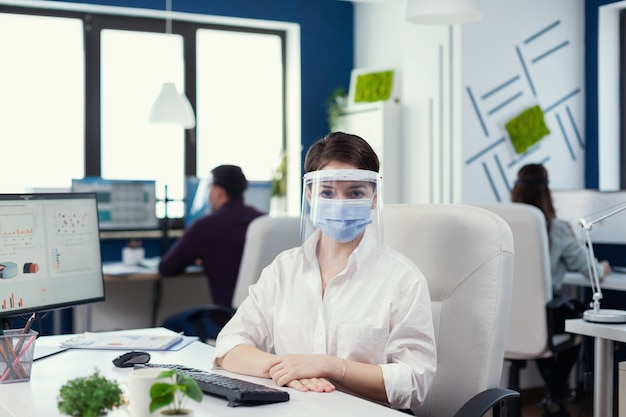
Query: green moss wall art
[(527, 128), (370, 86), (373, 87)]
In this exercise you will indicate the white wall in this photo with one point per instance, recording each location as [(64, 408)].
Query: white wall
[(423, 56), (449, 157)]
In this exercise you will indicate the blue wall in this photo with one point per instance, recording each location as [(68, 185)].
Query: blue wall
[(326, 27)]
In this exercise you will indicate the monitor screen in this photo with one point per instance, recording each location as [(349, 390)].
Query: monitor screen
[(197, 204), (122, 204), (49, 252)]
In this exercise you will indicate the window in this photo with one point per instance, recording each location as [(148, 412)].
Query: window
[(41, 102), (239, 102), (134, 65), (71, 125)]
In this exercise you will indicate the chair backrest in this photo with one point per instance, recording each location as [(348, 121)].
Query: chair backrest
[(532, 282), (266, 237), (466, 254)]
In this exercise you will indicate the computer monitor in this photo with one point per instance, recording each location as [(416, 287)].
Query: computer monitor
[(572, 205), (122, 204), (49, 252), (197, 204)]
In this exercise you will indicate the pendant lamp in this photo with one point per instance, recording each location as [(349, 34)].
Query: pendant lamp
[(170, 106), (173, 108), (442, 11)]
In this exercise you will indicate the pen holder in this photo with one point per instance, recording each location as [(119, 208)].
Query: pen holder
[(16, 355), (132, 256)]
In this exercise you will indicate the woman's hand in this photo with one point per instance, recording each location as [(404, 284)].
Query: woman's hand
[(304, 372), (312, 384), (606, 269)]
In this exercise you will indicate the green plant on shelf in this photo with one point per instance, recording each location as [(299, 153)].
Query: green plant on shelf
[(279, 178), (335, 107)]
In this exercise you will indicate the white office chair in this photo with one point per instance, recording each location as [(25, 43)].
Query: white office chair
[(466, 254), (532, 331), (266, 237)]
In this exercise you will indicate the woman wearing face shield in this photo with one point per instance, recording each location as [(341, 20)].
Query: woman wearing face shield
[(343, 309)]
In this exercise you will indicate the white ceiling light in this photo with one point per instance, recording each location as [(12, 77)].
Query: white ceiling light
[(171, 107), (442, 11)]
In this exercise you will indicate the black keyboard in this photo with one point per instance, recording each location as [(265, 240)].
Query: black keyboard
[(236, 391)]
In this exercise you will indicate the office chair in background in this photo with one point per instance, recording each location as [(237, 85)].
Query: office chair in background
[(533, 328), (266, 237), (466, 254)]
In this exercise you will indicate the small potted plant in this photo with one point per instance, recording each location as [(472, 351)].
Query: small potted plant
[(173, 393), (90, 396)]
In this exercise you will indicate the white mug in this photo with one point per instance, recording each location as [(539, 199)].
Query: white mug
[(139, 383)]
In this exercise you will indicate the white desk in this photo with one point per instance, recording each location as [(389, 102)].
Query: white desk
[(605, 335), (615, 281), (38, 397)]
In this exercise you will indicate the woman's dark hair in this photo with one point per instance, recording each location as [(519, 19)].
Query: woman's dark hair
[(341, 147), (532, 188)]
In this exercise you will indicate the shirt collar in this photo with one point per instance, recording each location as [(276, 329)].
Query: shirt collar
[(366, 251)]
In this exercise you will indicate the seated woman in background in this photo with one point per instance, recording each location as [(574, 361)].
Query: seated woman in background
[(567, 253), (342, 309)]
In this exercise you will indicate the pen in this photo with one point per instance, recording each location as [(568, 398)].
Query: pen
[(25, 330)]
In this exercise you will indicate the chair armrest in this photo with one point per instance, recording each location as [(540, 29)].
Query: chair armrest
[(484, 401)]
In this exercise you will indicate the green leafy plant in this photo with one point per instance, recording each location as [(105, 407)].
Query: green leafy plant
[(527, 128), (90, 396), (173, 394), (279, 178), (335, 105)]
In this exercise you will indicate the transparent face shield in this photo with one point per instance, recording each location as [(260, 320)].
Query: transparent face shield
[(343, 204)]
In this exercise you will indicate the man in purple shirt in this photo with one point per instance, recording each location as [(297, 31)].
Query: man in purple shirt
[(216, 241)]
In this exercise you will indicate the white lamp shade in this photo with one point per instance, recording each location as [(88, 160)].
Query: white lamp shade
[(172, 108), (442, 11)]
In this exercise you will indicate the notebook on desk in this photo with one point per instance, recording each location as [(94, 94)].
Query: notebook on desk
[(124, 341)]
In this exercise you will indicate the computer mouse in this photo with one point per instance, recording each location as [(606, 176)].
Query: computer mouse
[(132, 358)]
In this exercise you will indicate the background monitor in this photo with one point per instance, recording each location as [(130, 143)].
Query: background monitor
[(122, 204), (197, 205), (49, 252), (572, 205)]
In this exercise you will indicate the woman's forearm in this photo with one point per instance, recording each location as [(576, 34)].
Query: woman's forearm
[(245, 359), (364, 379)]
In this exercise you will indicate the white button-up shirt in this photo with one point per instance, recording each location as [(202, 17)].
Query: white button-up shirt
[(376, 311)]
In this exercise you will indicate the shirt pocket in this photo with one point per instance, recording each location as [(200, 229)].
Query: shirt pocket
[(362, 343)]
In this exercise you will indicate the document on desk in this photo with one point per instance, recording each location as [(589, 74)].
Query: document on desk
[(121, 269), (124, 341)]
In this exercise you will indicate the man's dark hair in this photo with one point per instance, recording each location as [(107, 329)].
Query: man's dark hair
[(231, 179)]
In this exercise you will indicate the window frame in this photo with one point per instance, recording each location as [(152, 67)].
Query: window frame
[(148, 21)]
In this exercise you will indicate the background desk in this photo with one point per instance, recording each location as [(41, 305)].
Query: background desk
[(615, 281), (37, 397), (605, 335), (142, 299)]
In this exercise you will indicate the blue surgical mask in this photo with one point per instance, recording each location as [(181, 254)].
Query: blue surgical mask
[(342, 220)]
